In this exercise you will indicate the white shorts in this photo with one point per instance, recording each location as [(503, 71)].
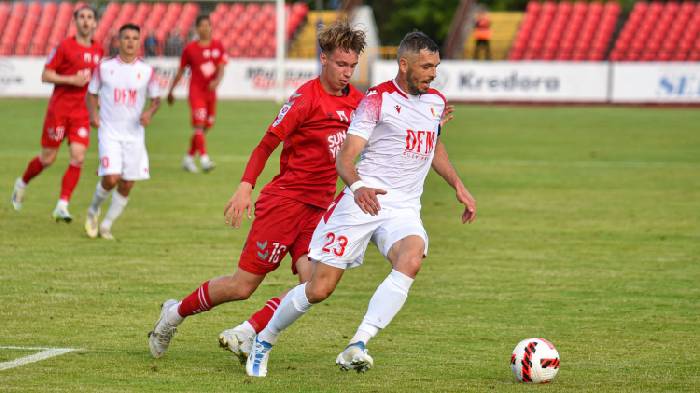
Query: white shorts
[(342, 235), (126, 158)]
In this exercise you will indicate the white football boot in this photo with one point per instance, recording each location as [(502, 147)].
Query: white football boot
[(106, 233), (61, 213), (189, 165), (18, 194), (238, 340), (159, 338), (207, 164), (91, 227), (355, 357), (256, 365)]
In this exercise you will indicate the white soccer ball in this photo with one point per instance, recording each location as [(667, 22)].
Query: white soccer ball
[(535, 360)]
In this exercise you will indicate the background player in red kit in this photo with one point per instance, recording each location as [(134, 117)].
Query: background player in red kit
[(312, 125), (206, 59), (69, 68)]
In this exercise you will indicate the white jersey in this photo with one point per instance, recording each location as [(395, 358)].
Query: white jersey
[(123, 89), (401, 132)]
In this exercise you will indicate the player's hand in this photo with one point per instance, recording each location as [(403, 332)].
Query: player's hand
[(213, 85), (145, 118), (95, 122), (366, 199), (240, 202), (171, 98), (80, 79), (447, 115), (464, 197)]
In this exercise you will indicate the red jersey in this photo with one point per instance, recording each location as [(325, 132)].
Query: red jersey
[(71, 58), (312, 125), (203, 62)]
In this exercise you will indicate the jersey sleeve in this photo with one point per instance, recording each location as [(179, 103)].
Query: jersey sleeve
[(154, 85), (291, 115), (55, 58), (95, 81), (367, 115)]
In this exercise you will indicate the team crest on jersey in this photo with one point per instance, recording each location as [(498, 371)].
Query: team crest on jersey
[(398, 108), (432, 110), (206, 53), (215, 53)]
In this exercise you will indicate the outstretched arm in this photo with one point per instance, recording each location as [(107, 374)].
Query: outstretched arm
[(365, 197), (241, 200), (443, 167)]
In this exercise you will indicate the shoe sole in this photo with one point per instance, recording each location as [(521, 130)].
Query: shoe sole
[(67, 220), (242, 356)]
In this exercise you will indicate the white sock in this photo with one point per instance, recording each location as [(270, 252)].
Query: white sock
[(62, 204), (115, 209), (386, 302), (20, 183), (172, 317), (98, 197), (247, 327), (293, 306)]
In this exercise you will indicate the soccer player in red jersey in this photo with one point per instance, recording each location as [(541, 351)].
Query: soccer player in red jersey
[(312, 126), (206, 60), (69, 68)]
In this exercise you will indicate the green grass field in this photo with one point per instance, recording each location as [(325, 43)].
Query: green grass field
[(588, 234)]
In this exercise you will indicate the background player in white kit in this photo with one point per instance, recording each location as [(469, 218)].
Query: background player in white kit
[(396, 128), (122, 84)]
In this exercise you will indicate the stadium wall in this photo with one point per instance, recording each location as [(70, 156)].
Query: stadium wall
[(461, 81)]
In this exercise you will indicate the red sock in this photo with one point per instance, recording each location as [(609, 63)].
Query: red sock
[(70, 180), (196, 301), (33, 169), (202, 144), (193, 145), (262, 317)]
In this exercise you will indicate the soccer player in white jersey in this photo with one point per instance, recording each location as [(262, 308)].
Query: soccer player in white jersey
[(396, 127), (122, 85)]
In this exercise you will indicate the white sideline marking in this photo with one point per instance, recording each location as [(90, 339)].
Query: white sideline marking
[(35, 357)]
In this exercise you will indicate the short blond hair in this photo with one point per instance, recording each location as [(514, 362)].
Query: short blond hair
[(340, 35)]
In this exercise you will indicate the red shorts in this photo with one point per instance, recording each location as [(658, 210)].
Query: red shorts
[(203, 109), (282, 225), (63, 123)]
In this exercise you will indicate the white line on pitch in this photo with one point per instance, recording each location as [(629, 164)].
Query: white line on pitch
[(35, 357)]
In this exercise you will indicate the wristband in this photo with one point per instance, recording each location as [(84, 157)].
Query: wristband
[(357, 185)]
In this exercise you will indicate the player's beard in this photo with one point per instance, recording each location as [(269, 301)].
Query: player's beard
[(413, 86)]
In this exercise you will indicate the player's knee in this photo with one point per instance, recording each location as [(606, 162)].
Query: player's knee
[(47, 158), (409, 264), (319, 292)]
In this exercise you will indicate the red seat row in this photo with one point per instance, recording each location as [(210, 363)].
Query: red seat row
[(246, 29), (660, 32), (575, 31)]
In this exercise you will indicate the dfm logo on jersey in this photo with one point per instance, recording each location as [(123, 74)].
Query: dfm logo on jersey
[(419, 144), (125, 97), (335, 142)]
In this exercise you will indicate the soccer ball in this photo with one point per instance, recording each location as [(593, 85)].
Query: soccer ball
[(535, 360)]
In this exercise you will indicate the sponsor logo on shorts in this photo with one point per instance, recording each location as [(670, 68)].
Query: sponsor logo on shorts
[(82, 132)]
